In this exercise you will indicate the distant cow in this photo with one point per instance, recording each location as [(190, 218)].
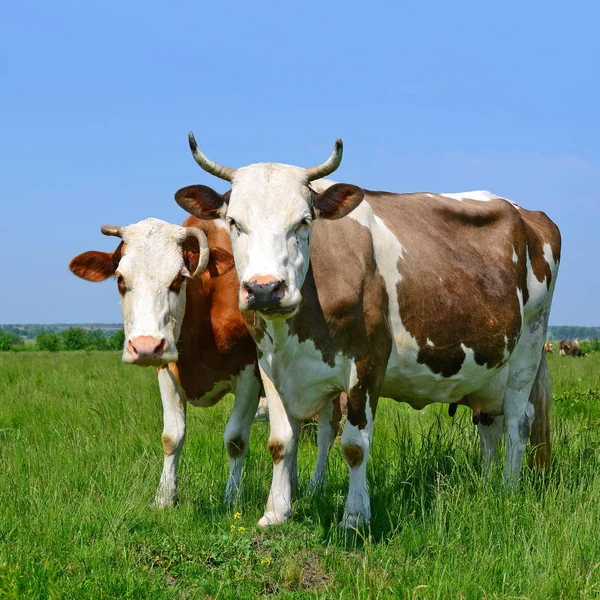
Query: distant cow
[(180, 313), (570, 348), (549, 348), (418, 297)]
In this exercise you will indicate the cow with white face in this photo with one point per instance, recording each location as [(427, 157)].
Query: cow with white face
[(418, 297), (179, 289)]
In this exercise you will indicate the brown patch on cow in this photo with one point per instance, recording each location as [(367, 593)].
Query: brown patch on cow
[(339, 407), (353, 454), (214, 344), (235, 447), (277, 450), (169, 445), (459, 281), (95, 265)]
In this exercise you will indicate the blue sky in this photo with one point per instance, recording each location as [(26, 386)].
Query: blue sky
[(97, 99)]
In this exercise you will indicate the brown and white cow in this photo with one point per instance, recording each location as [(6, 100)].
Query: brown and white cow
[(418, 297), (570, 348), (179, 302), (549, 348)]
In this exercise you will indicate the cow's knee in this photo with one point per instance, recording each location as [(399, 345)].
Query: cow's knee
[(172, 443), (235, 446), (354, 454)]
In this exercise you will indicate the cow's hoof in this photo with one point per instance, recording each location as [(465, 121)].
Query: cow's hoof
[(164, 502), (270, 518), (354, 522), (317, 484)]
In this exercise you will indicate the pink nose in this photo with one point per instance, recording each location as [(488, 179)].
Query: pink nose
[(146, 347)]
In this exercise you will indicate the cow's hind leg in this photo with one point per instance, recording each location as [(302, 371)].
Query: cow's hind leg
[(329, 421), (490, 438), (518, 411), (356, 445), (237, 432), (174, 404)]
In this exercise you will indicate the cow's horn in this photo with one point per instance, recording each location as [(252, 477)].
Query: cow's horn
[(202, 245), (330, 165), (113, 230), (208, 165)]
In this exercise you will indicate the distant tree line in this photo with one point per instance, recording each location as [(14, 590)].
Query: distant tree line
[(31, 331), (571, 332), (9, 340), (72, 338)]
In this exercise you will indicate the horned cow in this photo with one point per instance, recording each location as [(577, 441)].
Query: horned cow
[(417, 297), (178, 292)]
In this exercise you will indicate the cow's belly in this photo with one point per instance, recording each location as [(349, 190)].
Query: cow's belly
[(219, 389), (407, 380), (305, 382)]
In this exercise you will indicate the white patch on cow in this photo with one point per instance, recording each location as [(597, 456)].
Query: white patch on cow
[(538, 290), (303, 380), (515, 256), (482, 195), (430, 343)]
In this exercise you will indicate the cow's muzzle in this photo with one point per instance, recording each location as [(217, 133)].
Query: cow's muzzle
[(263, 293), (146, 350)]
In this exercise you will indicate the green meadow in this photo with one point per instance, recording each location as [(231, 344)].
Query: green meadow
[(81, 456)]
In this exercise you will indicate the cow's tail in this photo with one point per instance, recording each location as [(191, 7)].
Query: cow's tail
[(541, 398)]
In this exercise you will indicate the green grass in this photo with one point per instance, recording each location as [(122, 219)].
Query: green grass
[(80, 459)]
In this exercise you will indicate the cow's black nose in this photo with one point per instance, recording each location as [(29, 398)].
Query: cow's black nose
[(264, 295)]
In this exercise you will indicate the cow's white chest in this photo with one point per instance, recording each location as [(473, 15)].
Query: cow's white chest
[(304, 381), (219, 389)]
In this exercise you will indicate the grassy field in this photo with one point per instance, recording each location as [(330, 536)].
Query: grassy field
[(80, 459)]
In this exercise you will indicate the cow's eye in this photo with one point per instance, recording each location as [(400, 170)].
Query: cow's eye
[(302, 226), (233, 226), (121, 283), (178, 282)]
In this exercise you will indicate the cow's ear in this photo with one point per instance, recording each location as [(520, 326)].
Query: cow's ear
[(337, 201), (96, 266), (219, 262), (202, 202)]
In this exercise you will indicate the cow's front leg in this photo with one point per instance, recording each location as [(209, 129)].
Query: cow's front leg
[(237, 432), (174, 404), (356, 444), (283, 445)]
